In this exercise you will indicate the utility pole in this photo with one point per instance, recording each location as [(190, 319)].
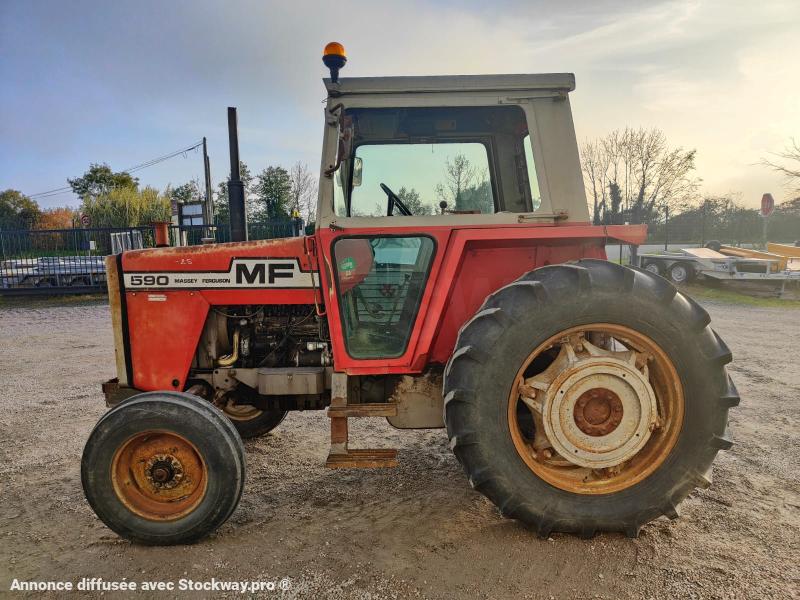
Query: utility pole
[(703, 224), (238, 216)]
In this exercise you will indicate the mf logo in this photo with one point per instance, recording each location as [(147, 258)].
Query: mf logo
[(263, 273)]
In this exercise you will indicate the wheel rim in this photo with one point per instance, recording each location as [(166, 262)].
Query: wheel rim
[(241, 412), (678, 273), (596, 409), (159, 475), (653, 268)]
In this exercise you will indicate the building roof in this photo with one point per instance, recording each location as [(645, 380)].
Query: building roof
[(452, 83)]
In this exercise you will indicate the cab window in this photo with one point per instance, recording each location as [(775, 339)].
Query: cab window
[(423, 176), (425, 161)]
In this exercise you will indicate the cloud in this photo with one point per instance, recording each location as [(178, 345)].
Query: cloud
[(125, 81)]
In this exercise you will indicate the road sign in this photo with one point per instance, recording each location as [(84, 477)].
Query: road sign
[(767, 205), (86, 220)]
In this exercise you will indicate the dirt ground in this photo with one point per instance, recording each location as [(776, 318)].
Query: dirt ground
[(414, 531)]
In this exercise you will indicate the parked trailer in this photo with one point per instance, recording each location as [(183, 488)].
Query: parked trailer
[(53, 271), (685, 265)]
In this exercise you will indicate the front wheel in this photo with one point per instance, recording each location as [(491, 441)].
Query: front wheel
[(588, 397), (163, 468)]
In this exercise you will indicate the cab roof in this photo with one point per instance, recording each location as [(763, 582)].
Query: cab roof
[(562, 82)]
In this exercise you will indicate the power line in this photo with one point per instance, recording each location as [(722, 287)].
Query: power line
[(133, 169)]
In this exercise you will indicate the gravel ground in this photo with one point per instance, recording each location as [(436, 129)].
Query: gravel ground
[(414, 531)]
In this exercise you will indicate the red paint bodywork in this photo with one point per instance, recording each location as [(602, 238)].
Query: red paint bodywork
[(470, 262)]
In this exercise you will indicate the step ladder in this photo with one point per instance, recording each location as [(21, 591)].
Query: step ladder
[(343, 457)]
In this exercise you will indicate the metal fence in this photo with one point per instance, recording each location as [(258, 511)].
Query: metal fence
[(56, 261), (738, 227)]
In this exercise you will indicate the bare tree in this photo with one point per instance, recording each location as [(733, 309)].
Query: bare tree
[(788, 164), (303, 191), (642, 173), (595, 165), (459, 174)]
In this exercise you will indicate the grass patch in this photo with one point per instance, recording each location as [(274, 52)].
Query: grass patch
[(730, 296)]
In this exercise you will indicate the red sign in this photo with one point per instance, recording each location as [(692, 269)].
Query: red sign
[(767, 205), (86, 220)]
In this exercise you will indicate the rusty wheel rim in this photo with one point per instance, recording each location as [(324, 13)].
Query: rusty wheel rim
[(596, 409), (159, 475)]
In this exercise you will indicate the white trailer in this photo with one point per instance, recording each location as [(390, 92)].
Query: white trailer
[(685, 265)]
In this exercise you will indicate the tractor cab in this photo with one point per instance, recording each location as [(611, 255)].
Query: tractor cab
[(470, 150)]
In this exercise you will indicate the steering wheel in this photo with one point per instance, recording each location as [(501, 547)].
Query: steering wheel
[(394, 200)]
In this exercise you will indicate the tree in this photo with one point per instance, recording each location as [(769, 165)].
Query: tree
[(272, 191), (127, 207), (464, 188), (615, 197), (303, 191), (57, 218), (412, 201), (595, 163), (188, 192), (100, 179), (477, 197), (459, 175), (17, 211), (788, 164), (646, 175)]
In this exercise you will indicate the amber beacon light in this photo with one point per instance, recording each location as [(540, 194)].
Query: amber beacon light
[(334, 58)]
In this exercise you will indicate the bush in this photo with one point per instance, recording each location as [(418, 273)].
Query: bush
[(127, 207)]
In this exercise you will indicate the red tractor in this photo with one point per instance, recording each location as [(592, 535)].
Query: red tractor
[(453, 279)]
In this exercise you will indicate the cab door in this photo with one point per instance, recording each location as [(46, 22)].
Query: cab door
[(380, 281)]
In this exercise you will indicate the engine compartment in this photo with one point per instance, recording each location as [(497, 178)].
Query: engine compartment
[(266, 356), (272, 336)]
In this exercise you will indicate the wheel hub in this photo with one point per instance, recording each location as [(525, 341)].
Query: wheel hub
[(164, 471), (598, 413)]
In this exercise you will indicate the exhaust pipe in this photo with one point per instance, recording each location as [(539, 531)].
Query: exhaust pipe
[(236, 210)]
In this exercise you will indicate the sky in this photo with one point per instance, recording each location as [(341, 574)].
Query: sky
[(123, 82)]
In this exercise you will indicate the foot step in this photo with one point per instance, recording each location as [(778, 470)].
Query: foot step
[(340, 456), (386, 409), (362, 459)]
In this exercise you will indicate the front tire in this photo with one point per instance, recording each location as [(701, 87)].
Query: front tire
[(499, 442), (163, 468)]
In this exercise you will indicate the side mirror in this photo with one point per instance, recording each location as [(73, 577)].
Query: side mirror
[(358, 167)]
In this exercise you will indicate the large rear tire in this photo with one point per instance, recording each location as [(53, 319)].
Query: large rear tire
[(588, 397), (163, 468)]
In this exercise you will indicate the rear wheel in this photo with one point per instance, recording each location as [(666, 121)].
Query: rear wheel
[(588, 397), (163, 468), (680, 273), (251, 421)]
